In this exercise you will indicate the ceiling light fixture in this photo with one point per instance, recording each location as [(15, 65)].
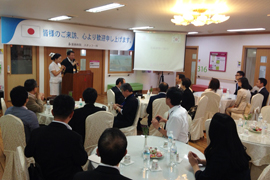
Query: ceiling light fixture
[(192, 32), (60, 18), (250, 29), (199, 14), (105, 7), (143, 27)]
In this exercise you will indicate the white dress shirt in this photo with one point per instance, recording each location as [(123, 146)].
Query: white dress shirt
[(68, 126), (178, 123), (106, 165)]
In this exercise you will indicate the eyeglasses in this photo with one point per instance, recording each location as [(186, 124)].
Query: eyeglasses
[(237, 75)]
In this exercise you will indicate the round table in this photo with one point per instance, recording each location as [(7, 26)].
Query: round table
[(135, 147), (45, 118), (227, 100), (258, 147)]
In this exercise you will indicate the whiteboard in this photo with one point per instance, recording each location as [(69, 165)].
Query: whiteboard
[(159, 51)]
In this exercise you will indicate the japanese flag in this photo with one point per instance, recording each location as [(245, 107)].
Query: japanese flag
[(30, 31)]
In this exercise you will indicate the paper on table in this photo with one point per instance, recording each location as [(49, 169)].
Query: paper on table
[(94, 158)]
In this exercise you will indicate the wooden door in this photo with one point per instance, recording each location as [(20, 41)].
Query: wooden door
[(90, 55), (20, 64), (262, 69), (190, 65)]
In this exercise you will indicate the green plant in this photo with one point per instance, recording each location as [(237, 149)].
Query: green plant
[(145, 129), (248, 117)]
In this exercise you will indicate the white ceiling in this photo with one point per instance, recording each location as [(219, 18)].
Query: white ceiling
[(157, 13)]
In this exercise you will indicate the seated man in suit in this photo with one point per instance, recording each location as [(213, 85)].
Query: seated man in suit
[(178, 117), (261, 83), (179, 79), (78, 120), (119, 98), (56, 148), (163, 87), (19, 98), (112, 147), (126, 111), (188, 97), (35, 102)]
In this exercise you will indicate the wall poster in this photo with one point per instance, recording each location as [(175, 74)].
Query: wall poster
[(217, 61)]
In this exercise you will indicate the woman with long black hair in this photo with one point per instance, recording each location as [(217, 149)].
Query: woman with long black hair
[(226, 157)]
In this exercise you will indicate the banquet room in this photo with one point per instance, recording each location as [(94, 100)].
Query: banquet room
[(182, 86)]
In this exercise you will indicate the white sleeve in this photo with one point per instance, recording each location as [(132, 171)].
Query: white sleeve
[(175, 125)]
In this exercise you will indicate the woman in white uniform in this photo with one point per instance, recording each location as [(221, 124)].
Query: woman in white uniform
[(55, 69)]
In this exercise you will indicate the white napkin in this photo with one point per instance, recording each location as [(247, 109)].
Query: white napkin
[(94, 158)]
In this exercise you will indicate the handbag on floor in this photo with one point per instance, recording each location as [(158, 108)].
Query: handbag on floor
[(192, 111)]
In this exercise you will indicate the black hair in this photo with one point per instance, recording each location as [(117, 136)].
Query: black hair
[(63, 106), (214, 84), (30, 85), (181, 76), (224, 137), (175, 95), (163, 87), (263, 80), (242, 73), (112, 146), (90, 95), (186, 82), (119, 80), (245, 83), (126, 86), (69, 52), (18, 96), (55, 56)]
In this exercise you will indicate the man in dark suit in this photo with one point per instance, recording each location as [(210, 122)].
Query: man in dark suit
[(56, 148), (239, 75), (119, 98), (127, 111), (261, 83), (179, 78), (163, 87), (70, 62), (112, 147), (78, 120)]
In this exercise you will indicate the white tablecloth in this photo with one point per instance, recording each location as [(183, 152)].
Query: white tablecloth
[(135, 171), (144, 104), (258, 147), (45, 118), (227, 100)]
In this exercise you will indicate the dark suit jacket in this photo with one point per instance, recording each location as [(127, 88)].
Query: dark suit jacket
[(119, 98), (58, 150), (129, 110), (68, 65), (188, 99), (78, 120), (149, 108), (219, 167), (265, 94), (100, 173)]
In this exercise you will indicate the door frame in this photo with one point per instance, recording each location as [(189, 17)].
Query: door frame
[(191, 47), (5, 69)]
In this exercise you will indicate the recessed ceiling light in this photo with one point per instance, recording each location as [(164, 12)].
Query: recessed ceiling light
[(105, 7), (60, 18), (250, 29), (192, 32), (143, 27)]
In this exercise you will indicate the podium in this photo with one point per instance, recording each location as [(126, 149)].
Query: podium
[(76, 83)]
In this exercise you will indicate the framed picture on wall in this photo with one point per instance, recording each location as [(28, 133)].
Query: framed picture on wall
[(217, 61)]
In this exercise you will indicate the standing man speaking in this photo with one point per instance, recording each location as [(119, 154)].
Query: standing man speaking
[(70, 63)]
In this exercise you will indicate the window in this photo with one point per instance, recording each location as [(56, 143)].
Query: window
[(21, 59), (120, 62)]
